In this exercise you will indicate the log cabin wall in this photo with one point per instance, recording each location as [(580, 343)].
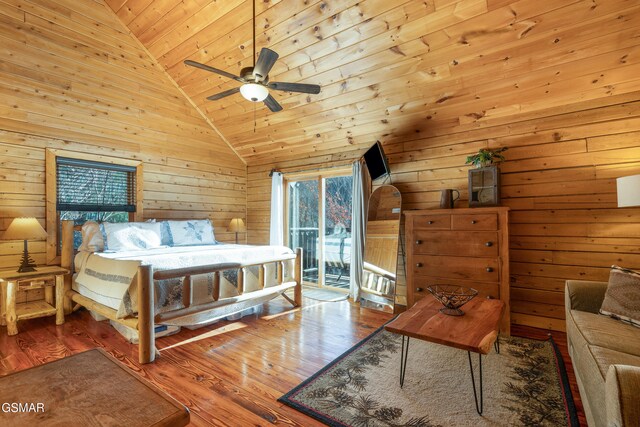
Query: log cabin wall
[(555, 80), (73, 78), (562, 93)]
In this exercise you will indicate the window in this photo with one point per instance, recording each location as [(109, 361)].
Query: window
[(87, 190), (87, 187)]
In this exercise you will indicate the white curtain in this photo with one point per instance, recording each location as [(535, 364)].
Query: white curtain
[(360, 191), (276, 233)]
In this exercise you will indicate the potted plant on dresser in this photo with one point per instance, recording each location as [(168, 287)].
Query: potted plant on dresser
[(484, 180)]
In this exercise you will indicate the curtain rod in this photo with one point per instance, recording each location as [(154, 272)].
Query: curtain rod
[(313, 169)]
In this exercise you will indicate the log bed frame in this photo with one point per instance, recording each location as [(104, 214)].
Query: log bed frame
[(193, 314)]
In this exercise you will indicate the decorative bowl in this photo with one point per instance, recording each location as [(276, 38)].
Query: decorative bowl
[(452, 297)]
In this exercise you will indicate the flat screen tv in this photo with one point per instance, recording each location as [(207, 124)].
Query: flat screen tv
[(376, 161)]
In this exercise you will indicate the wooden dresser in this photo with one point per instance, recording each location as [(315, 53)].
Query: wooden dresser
[(468, 247)]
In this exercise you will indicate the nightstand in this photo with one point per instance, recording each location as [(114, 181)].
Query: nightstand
[(47, 277)]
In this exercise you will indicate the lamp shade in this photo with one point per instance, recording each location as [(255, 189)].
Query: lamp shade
[(237, 225), (254, 92), (628, 191), (24, 229)]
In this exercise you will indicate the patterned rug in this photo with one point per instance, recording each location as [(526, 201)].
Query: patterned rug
[(524, 385)]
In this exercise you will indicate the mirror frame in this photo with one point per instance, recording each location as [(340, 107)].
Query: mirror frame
[(379, 285)]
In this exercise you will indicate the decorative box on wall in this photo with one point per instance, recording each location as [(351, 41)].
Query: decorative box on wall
[(484, 186), (467, 247)]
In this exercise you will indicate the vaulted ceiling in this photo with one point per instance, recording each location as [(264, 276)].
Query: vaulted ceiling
[(361, 52), (389, 69)]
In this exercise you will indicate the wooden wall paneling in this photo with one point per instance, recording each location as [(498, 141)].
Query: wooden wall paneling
[(568, 226), (74, 80), (556, 81)]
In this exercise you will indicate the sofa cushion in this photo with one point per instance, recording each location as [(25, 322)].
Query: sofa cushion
[(622, 299), (590, 381), (591, 364), (622, 389), (605, 357), (606, 332)]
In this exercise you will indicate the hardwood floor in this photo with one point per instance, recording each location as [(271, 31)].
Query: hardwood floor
[(230, 373)]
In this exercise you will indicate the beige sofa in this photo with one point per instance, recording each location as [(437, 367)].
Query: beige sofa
[(606, 357)]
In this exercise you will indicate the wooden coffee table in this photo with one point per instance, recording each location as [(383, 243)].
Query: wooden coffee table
[(87, 389), (476, 331)]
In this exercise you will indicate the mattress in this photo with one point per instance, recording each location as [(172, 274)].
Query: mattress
[(109, 277)]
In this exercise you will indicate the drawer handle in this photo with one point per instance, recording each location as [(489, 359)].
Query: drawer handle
[(489, 270), (429, 222), (419, 289), (419, 264), (473, 221), (488, 244), (418, 242)]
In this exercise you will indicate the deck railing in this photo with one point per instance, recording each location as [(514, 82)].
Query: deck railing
[(307, 239)]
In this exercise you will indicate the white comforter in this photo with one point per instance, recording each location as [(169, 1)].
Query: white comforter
[(107, 277)]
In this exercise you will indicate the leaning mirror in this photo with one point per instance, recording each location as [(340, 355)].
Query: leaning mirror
[(381, 249)]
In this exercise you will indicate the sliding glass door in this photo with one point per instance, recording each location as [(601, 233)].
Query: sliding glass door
[(304, 224), (319, 221)]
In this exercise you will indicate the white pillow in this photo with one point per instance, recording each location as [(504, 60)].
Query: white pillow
[(92, 240), (193, 232), (132, 236)]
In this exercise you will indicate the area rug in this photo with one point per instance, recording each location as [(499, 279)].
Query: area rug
[(324, 294), (524, 385)]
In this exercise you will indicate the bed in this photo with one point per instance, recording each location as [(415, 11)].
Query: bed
[(187, 284)]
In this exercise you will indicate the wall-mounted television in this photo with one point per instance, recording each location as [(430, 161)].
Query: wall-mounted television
[(376, 161)]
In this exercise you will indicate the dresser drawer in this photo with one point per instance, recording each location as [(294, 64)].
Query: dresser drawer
[(459, 243), (475, 222), (432, 222), (453, 267), (40, 282)]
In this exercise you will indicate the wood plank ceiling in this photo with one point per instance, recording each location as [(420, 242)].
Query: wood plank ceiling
[(385, 66), (389, 69), (344, 45)]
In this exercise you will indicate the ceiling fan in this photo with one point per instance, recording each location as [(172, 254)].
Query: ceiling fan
[(255, 80)]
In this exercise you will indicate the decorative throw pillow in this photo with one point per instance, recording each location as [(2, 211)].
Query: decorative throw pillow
[(167, 240), (622, 299), (92, 240), (193, 232), (132, 236)]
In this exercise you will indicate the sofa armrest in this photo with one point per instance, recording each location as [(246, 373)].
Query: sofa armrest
[(622, 388), (584, 296)]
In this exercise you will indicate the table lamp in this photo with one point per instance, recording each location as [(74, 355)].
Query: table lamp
[(628, 191), (25, 229), (237, 226)]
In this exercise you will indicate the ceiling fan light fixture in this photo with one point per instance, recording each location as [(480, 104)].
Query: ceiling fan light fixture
[(254, 92), (255, 80)]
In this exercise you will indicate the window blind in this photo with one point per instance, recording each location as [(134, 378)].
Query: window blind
[(84, 185)]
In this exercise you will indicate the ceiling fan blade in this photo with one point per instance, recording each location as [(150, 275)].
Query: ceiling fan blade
[(295, 87), (223, 94), (273, 105), (213, 70), (264, 64)]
